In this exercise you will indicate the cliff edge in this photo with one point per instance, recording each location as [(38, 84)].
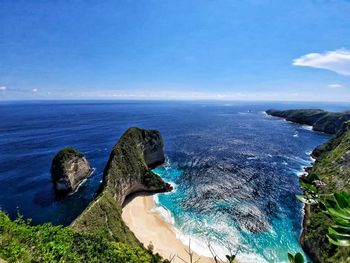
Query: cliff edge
[(128, 171), (320, 120), (332, 166)]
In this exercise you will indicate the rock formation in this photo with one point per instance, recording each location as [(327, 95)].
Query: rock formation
[(324, 121), (128, 171), (69, 168)]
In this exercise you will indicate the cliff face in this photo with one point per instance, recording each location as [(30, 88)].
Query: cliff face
[(333, 167), (324, 121), (128, 171), (69, 168), (128, 168)]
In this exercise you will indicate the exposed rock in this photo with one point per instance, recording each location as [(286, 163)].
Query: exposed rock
[(320, 120), (128, 171), (69, 168)]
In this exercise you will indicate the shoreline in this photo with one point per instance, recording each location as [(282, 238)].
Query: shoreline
[(150, 228)]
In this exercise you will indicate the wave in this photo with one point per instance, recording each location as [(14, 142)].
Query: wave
[(307, 127)]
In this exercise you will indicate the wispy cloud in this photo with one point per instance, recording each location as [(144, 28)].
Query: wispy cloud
[(337, 61), (336, 86), (3, 88), (35, 90)]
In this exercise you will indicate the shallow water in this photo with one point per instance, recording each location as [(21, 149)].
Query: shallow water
[(235, 169)]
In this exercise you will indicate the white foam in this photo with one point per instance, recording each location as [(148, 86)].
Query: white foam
[(248, 258), (307, 127), (200, 246), (308, 152), (164, 213), (252, 158)]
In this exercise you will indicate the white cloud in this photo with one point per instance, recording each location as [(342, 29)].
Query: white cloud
[(335, 86), (3, 88), (35, 90), (337, 61)]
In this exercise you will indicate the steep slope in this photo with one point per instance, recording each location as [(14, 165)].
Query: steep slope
[(127, 171), (333, 167), (324, 121)]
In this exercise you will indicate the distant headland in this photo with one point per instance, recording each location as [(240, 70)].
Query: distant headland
[(320, 120)]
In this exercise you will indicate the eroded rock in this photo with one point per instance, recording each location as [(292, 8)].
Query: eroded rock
[(69, 168)]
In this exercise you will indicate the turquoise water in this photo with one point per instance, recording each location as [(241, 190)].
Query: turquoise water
[(222, 232)]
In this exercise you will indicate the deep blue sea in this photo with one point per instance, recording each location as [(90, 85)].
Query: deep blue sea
[(235, 170)]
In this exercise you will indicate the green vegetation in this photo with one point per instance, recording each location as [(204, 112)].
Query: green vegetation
[(103, 217), (333, 170), (125, 171), (21, 242), (66, 153), (337, 209), (297, 258)]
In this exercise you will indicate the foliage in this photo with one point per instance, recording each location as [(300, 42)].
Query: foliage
[(338, 209), (336, 206), (103, 217), (21, 242), (297, 258)]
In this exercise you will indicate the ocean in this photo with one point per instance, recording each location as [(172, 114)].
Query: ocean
[(234, 169)]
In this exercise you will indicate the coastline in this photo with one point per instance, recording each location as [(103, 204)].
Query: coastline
[(149, 227)]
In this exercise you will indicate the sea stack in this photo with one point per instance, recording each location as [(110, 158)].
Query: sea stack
[(69, 168)]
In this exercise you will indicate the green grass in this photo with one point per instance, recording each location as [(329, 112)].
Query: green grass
[(103, 217), (21, 242)]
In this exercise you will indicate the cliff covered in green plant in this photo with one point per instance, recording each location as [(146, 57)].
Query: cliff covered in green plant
[(320, 120), (99, 233), (21, 242), (128, 171), (333, 168)]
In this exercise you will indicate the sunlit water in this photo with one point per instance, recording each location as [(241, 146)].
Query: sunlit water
[(235, 170)]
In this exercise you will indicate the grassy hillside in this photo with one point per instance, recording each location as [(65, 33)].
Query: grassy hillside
[(333, 168), (21, 242)]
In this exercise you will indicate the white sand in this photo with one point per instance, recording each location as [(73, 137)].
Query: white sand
[(149, 227)]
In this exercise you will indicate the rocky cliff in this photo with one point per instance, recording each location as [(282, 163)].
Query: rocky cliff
[(333, 167), (324, 121), (69, 168), (128, 171)]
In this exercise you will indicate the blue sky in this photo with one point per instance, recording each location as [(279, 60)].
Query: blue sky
[(180, 49)]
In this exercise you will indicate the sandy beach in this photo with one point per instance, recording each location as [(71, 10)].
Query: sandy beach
[(150, 227)]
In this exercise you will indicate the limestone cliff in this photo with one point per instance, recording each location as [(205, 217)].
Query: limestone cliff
[(320, 120), (69, 168), (128, 171)]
